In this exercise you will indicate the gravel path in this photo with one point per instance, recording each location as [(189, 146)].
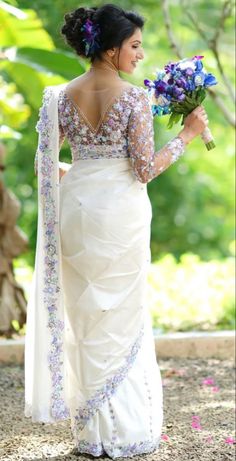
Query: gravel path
[(185, 395)]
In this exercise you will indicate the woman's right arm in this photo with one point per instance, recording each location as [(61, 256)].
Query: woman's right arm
[(148, 164)]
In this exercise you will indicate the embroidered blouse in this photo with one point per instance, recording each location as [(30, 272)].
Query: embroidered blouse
[(126, 130)]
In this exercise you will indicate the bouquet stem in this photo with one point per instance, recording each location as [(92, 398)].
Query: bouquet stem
[(207, 138)]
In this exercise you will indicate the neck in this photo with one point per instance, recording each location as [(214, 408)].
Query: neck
[(105, 66)]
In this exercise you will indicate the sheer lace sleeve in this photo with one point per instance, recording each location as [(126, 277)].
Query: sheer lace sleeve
[(43, 128), (146, 163)]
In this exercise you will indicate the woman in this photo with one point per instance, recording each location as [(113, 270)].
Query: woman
[(90, 352)]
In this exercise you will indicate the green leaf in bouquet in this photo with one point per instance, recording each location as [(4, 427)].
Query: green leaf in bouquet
[(174, 118), (181, 109), (201, 96), (190, 99)]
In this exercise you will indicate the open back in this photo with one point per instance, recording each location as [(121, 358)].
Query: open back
[(93, 93)]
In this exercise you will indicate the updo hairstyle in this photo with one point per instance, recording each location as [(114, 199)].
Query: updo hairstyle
[(114, 24)]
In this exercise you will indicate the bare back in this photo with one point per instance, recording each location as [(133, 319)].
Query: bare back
[(93, 94)]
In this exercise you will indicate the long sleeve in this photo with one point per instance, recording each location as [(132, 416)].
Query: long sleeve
[(42, 130), (146, 163)]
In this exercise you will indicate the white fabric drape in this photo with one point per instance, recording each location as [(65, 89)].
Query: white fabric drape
[(44, 348), (89, 352)]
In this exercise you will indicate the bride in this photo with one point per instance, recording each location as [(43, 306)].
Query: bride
[(89, 354)]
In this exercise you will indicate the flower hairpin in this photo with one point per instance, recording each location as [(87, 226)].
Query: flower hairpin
[(91, 32)]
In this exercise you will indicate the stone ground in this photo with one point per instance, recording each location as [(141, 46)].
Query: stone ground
[(185, 395)]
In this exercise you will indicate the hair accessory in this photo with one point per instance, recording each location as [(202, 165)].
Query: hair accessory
[(91, 32)]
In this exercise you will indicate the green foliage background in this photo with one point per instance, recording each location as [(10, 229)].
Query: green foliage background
[(193, 201)]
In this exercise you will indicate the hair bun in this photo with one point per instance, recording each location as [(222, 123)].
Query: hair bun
[(84, 13), (72, 28)]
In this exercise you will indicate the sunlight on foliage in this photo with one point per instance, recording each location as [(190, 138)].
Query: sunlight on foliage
[(192, 294)]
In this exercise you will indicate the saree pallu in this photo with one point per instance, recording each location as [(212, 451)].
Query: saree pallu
[(114, 386)]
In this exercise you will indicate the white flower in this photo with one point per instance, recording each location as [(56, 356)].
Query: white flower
[(186, 63)]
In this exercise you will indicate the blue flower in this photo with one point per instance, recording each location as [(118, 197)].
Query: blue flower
[(210, 80), (198, 65), (166, 110), (190, 85)]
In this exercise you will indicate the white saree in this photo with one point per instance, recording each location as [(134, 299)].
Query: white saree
[(89, 353)]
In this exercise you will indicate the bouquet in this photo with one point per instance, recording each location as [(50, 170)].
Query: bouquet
[(179, 89)]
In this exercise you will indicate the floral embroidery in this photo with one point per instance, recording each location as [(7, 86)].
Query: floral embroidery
[(149, 402), (126, 132), (93, 404), (96, 152), (114, 436), (111, 135), (148, 164), (50, 280), (117, 450)]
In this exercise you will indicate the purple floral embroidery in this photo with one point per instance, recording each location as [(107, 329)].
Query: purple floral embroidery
[(125, 131), (115, 451), (92, 405), (109, 140), (51, 286)]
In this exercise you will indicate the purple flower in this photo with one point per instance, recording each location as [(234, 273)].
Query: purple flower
[(91, 34), (160, 87), (181, 97), (170, 81), (170, 67), (189, 72), (177, 91), (148, 83), (181, 82)]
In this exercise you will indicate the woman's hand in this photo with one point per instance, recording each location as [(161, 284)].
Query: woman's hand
[(194, 124), (61, 172), (63, 168)]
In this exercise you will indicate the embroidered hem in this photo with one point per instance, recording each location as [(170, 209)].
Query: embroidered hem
[(117, 451)]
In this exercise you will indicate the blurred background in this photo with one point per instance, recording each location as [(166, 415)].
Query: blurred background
[(191, 279)]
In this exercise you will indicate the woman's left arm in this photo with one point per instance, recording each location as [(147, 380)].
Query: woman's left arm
[(147, 163)]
